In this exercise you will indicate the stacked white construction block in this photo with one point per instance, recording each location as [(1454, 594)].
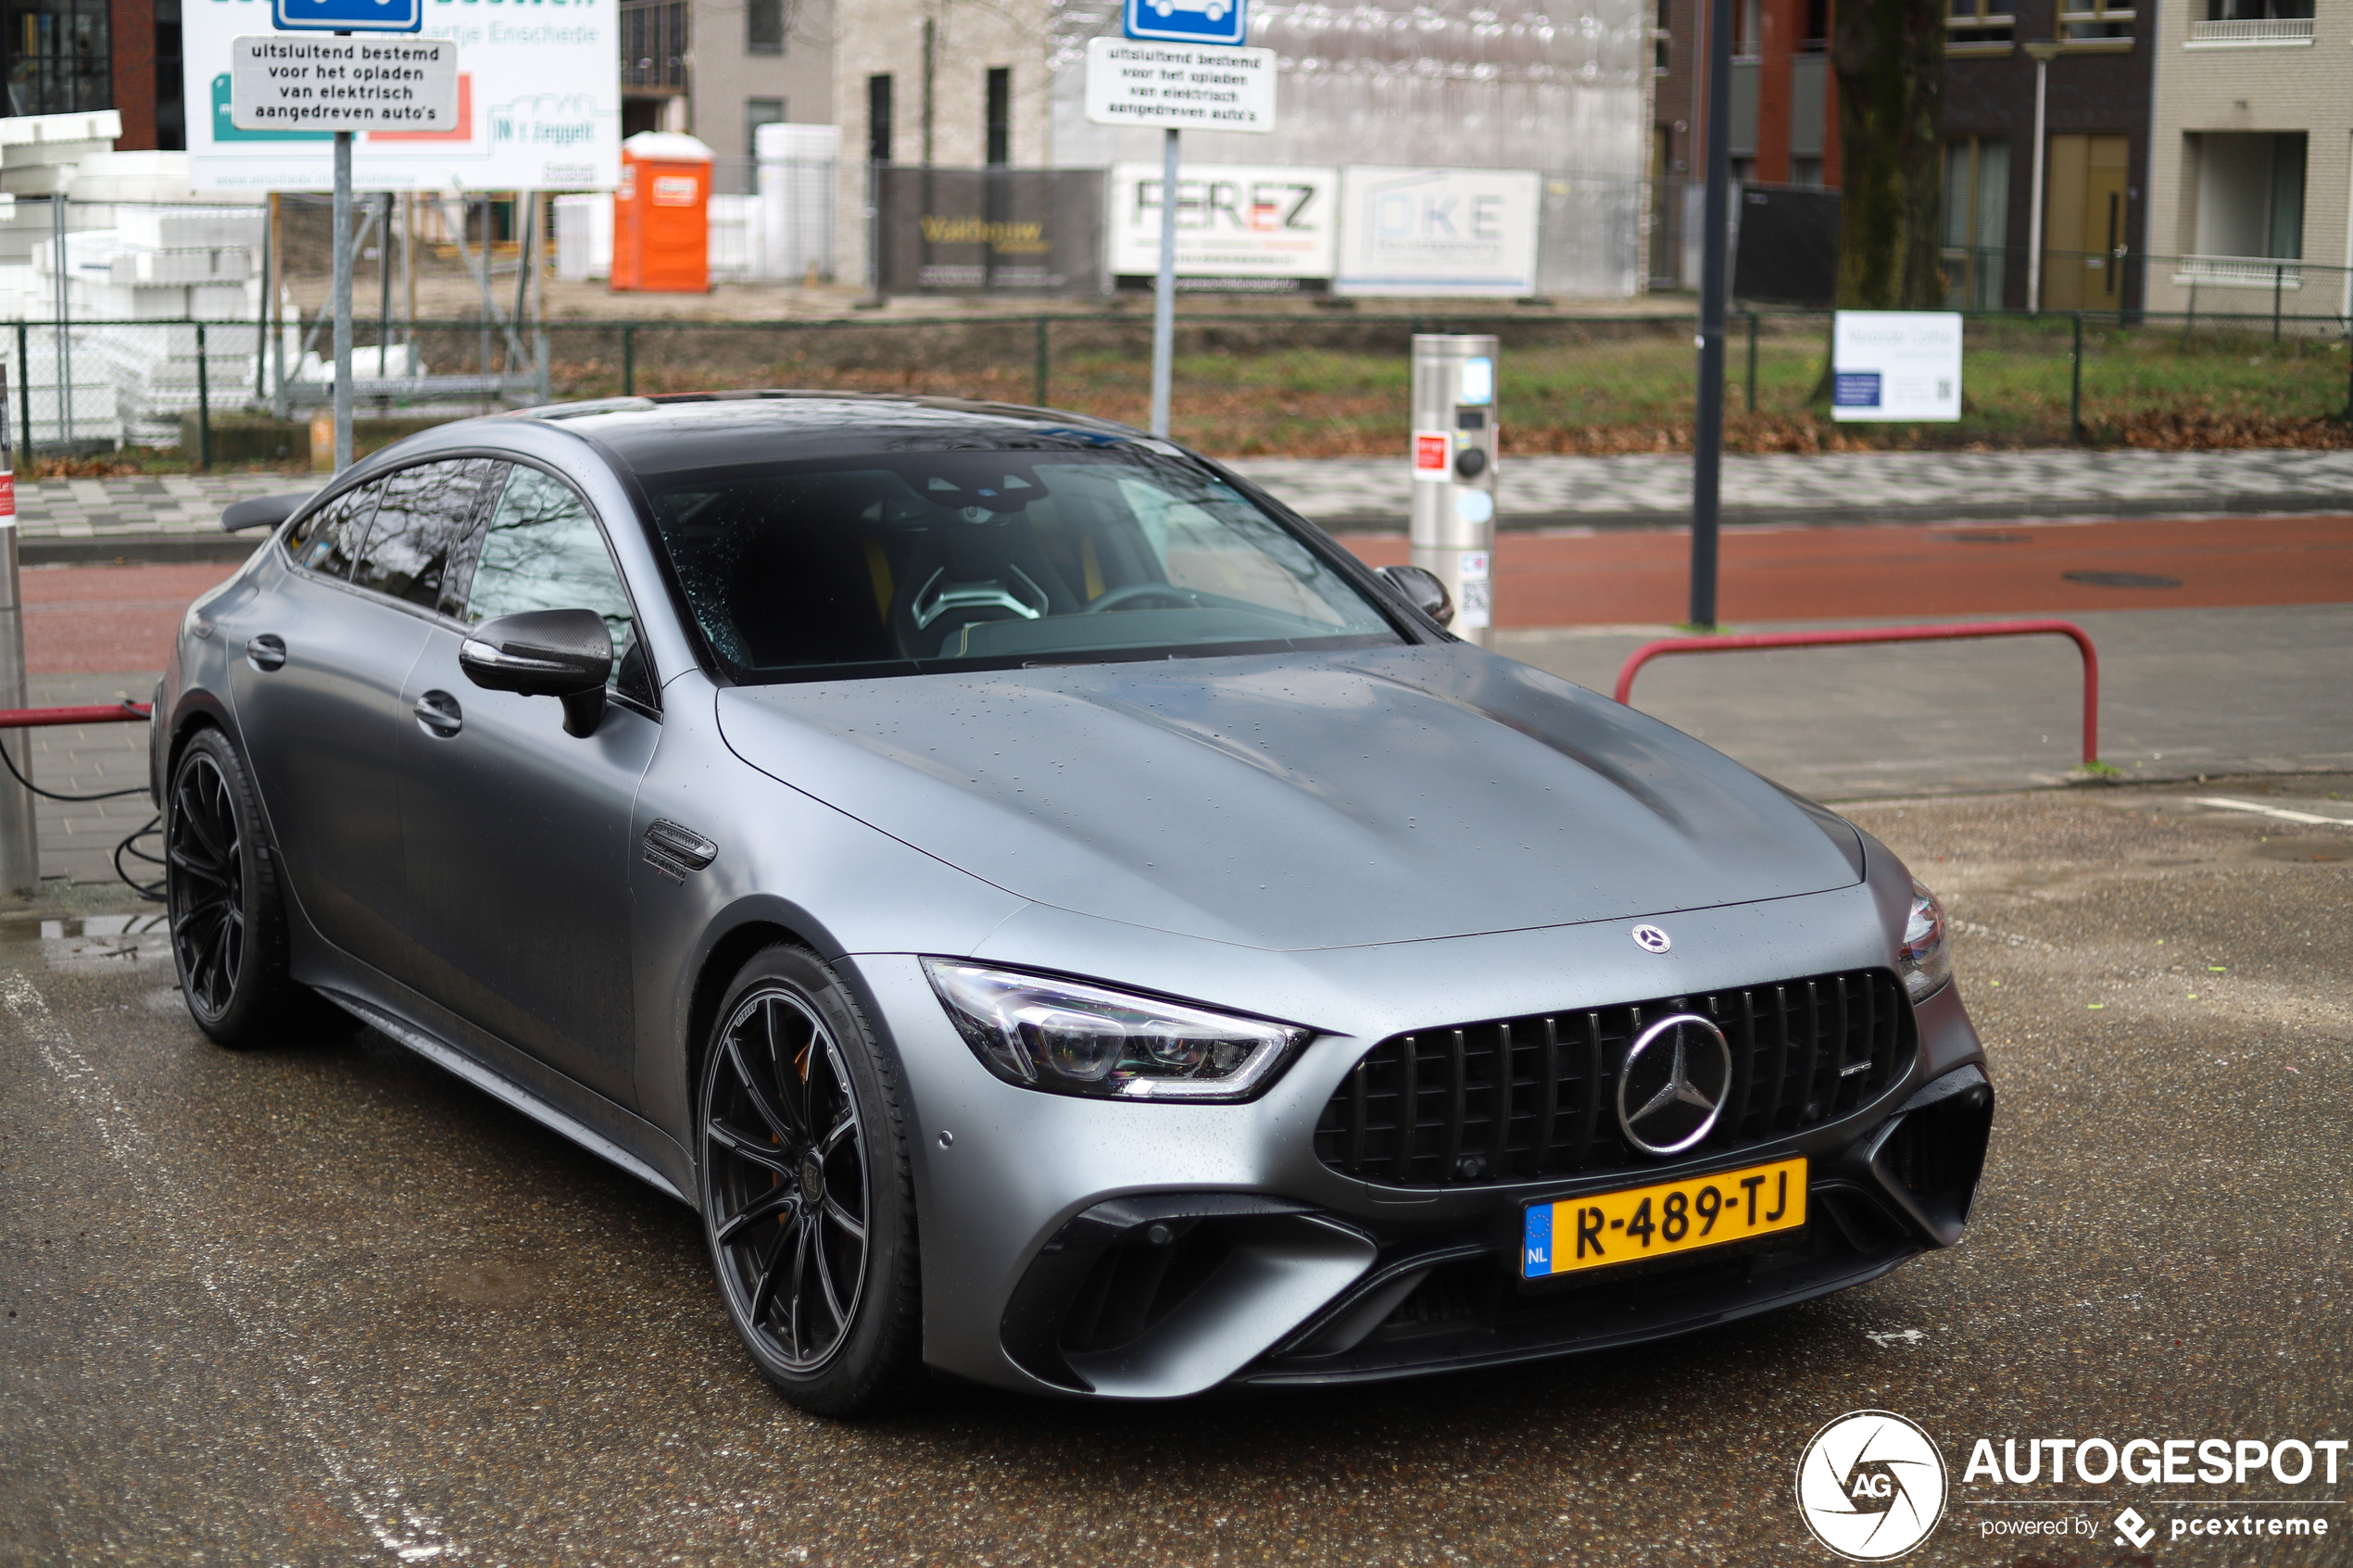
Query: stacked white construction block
[(795, 219), (583, 237), (40, 152), (164, 263), (140, 246)]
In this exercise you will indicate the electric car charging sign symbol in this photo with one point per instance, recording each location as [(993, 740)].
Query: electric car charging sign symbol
[(1188, 21), (1871, 1486)]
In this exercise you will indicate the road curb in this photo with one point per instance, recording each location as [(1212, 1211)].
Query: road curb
[(147, 550), (2230, 504)]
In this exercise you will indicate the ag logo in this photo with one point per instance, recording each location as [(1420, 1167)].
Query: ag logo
[(1870, 1486)]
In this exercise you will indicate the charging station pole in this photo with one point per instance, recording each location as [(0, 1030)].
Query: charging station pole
[(19, 840), (1452, 527)]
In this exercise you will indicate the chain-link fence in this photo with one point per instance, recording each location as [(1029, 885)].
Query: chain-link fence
[(1288, 382)]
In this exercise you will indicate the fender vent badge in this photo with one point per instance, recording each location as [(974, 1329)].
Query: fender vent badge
[(673, 850)]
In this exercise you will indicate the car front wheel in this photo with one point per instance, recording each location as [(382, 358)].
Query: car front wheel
[(807, 1200)]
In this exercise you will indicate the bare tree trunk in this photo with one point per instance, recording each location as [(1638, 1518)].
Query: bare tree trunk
[(1890, 59)]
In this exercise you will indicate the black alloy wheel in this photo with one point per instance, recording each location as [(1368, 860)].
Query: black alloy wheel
[(225, 903), (807, 1203), (206, 886)]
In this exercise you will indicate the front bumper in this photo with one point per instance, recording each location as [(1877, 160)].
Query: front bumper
[(1081, 1247)]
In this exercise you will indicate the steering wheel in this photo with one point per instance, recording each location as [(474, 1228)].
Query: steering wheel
[(1135, 593)]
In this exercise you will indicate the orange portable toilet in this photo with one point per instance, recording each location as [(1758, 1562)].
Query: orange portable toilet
[(661, 215)]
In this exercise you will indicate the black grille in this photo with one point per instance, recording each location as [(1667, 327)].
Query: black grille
[(1518, 1098)]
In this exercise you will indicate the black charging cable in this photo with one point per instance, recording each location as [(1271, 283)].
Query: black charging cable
[(155, 825)]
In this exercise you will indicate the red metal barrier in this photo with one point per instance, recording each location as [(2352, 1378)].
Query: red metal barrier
[(1960, 632), (35, 717)]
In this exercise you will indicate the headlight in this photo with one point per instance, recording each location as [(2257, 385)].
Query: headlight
[(1924, 962), (1068, 1037)]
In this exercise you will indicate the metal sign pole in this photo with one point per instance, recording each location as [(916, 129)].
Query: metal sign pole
[(1165, 296), (343, 300), (1707, 435)]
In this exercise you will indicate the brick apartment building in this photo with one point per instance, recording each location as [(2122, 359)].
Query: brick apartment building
[(1784, 132), (62, 55)]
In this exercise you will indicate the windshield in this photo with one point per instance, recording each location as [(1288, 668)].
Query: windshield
[(939, 559)]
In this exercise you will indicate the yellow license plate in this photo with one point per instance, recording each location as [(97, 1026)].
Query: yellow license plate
[(1602, 1229)]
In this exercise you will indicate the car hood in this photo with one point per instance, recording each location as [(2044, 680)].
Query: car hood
[(1290, 801)]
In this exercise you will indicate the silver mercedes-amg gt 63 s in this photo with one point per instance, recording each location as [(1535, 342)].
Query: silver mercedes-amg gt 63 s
[(1062, 921)]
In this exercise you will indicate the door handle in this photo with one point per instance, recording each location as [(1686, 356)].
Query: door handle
[(438, 714), (267, 651)]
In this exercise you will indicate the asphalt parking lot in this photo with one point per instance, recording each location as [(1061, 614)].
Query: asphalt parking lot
[(326, 1304)]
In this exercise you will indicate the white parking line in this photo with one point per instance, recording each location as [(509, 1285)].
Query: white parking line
[(407, 1535), (2280, 811)]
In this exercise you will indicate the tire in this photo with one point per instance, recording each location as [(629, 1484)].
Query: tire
[(226, 907), (801, 1139)]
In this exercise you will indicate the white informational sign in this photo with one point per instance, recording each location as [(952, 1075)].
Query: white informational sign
[(283, 82), (538, 104), (1438, 232), (1476, 610), (1233, 220), (1182, 87), (1896, 365)]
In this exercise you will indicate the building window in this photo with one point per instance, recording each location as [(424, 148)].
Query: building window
[(1748, 28), (1977, 22), (1000, 117), (653, 44), (2246, 22), (764, 27), (2250, 207), (60, 56), (1977, 218), (171, 108), (1661, 41), (757, 113), (878, 119), (1816, 37), (2096, 21)]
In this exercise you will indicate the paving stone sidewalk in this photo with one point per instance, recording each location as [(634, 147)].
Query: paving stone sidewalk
[(1847, 486), (171, 505)]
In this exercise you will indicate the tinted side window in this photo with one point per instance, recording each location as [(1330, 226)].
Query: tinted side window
[(425, 515), (329, 540), (542, 551)]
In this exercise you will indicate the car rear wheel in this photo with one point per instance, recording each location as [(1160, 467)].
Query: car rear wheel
[(807, 1198), (222, 894)]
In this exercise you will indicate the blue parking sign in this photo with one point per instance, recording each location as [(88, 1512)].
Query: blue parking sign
[(1179, 21), (347, 16)]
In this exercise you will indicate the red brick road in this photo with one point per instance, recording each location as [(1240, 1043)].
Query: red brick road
[(102, 619), (98, 620), (1949, 568)]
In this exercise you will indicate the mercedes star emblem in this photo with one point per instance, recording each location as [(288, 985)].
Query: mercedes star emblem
[(1677, 1074), (1650, 939)]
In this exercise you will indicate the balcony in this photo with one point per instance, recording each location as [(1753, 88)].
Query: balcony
[(2238, 272), (2254, 33)]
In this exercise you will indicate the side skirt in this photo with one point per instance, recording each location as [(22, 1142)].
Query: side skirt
[(502, 1088)]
